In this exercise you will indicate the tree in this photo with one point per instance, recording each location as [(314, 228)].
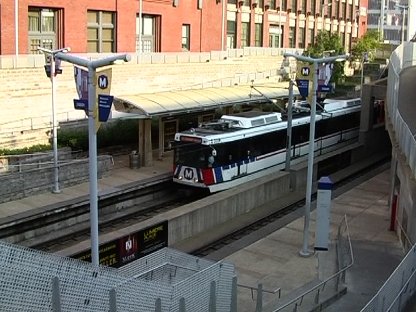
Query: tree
[(326, 44), (367, 43)]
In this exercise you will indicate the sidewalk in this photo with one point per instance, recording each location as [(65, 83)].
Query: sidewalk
[(275, 262)]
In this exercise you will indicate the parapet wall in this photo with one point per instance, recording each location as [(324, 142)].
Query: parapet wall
[(16, 185)]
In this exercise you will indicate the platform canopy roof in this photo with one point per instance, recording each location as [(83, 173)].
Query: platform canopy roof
[(147, 105)]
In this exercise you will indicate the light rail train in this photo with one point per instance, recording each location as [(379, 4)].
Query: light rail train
[(244, 146)]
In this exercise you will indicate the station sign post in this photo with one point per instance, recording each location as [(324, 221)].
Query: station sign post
[(92, 110)]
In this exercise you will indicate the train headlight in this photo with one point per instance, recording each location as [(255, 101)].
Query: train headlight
[(180, 178), (196, 180)]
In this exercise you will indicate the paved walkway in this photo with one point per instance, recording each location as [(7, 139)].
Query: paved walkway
[(274, 259)]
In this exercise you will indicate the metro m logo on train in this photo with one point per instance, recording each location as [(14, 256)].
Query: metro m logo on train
[(188, 174)]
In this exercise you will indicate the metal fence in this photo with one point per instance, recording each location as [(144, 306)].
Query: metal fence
[(398, 289), (398, 62), (166, 280), (330, 287), (401, 285)]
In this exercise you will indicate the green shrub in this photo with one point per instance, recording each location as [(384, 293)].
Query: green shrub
[(26, 150), (119, 132)]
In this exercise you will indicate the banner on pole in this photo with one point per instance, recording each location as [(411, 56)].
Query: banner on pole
[(102, 87)]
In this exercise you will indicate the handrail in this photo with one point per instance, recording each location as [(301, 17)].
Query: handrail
[(252, 288), (301, 296)]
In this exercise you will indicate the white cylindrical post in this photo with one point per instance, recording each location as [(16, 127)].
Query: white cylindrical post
[(92, 158), (323, 213), (305, 252)]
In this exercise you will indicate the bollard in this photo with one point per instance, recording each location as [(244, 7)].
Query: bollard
[(259, 303), (56, 295), (158, 305), (212, 298), (113, 300), (182, 307), (233, 307)]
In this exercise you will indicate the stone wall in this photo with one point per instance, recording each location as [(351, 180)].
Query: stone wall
[(17, 185)]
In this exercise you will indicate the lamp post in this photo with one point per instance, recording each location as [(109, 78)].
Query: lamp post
[(289, 126), (315, 61), (52, 74), (364, 59), (404, 8), (92, 137)]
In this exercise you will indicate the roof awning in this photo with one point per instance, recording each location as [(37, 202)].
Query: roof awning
[(147, 105)]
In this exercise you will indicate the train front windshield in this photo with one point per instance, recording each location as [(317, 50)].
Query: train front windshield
[(193, 155)]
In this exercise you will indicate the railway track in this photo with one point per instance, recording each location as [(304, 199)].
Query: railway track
[(169, 201)]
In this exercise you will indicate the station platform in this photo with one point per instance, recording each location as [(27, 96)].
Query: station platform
[(271, 256)]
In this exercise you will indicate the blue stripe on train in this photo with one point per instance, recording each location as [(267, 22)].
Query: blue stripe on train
[(178, 170), (218, 174)]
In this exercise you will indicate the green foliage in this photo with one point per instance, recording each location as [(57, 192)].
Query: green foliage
[(325, 41), (26, 150), (120, 132), (328, 44), (367, 43)]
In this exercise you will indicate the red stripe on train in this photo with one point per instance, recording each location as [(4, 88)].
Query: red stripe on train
[(208, 176)]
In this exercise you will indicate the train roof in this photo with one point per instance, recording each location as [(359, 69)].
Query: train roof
[(248, 124)]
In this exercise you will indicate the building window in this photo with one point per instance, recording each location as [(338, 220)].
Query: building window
[(231, 35), (284, 5), (101, 32), (150, 34), (258, 37), (311, 37), (301, 41), (313, 7), (245, 34), (304, 6), (344, 11), (292, 37), (42, 29), (232, 1), (273, 4), (294, 6), (274, 36), (246, 2), (186, 38), (336, 13)]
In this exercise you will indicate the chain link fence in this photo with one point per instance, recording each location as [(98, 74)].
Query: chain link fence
[(166, 280)]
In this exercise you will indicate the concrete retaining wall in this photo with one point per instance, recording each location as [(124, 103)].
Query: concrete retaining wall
[(18, 185), (229, 208)]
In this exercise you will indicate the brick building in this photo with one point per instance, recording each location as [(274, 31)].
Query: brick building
[(97, 26)]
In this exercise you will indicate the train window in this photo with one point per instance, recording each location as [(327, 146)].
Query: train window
[(194, 155)]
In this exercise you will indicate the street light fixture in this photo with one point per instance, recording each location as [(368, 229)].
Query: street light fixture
[(364, 59), (404, 8), (51, 73), (92, 137), (315, 61)]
